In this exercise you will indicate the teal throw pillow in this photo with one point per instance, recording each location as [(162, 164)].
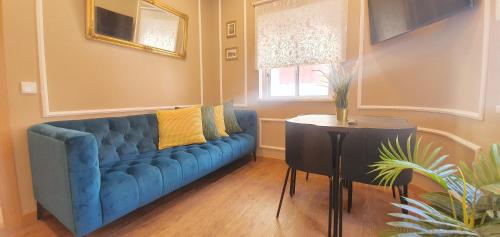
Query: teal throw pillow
[(208, 121), (230, 120)]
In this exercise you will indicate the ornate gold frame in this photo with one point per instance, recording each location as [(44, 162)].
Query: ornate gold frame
[(91, 34)]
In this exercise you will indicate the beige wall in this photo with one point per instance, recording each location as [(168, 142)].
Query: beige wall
[(210, 16), (438, 66), (232, 75), (84, 74), (10, 213), (443, 60), (92, 69)]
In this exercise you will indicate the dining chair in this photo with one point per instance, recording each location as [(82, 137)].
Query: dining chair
[(361, 151), (309, 148)]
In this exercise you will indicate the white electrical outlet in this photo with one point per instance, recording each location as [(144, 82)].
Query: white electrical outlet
[(29, 88)]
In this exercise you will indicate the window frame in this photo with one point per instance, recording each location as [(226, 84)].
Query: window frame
[(265, 89)]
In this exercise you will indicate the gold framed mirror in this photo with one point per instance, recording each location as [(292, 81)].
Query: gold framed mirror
[(148, 25)]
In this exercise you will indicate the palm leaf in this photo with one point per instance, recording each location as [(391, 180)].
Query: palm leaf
[(485, 171), (490, 229), (427, 220), (440, 232), (457, 185), (470, 205), (394, 160), (406, 225), (441, 202)]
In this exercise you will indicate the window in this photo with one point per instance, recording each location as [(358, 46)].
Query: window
[(303, 81), (295, 39)]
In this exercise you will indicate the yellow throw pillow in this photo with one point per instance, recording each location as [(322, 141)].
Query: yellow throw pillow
[(180, 127), (219, 120)]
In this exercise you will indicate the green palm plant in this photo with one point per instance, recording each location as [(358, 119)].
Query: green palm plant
[(469, 204)]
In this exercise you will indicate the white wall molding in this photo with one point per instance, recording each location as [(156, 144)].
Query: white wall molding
[(44, 90), (221, 55), (275, 120), (460, 140), (245, 50), (111, 111), (42, 65), (245, 56), (477, 115), (455, 138), (200, 39)]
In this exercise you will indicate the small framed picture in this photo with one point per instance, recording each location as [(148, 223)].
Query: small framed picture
[(231, 29), (231, 54)]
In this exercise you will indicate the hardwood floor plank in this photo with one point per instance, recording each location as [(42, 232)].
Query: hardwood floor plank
[(241, 200)]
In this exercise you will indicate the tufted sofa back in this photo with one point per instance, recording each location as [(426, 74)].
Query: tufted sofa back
[(119, 138)]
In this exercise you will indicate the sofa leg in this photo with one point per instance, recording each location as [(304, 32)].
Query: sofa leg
[(39, 211), (254, 154)]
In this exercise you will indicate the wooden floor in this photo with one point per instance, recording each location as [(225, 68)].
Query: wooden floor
[(241, 200)]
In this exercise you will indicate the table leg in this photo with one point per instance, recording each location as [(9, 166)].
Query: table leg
[(336, 141)]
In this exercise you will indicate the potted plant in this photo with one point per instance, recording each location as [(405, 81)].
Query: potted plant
[(468, 205), (339, 80)]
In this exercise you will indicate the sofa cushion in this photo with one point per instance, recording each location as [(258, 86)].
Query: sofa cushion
[(230, 120), (208, 120), (129, 184), (219, 120), (180, 127)]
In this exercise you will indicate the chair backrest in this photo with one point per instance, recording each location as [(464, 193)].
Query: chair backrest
[(360, 150), (309, 149)]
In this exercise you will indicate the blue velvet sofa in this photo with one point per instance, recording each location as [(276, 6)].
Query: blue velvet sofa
[(88, 173)]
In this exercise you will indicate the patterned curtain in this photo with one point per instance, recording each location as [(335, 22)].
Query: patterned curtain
[(300, 32)]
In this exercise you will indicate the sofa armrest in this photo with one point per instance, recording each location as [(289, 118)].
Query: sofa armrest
[(66, 176), (248, 121)]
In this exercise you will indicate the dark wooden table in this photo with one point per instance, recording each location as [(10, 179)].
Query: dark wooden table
[(337, 131)]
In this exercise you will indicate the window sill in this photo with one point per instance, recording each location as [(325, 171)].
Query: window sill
[(297, 99)]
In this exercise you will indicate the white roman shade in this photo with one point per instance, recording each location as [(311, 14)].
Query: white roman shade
[(300, 32)]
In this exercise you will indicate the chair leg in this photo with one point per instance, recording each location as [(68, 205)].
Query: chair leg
[(336, 190), (283, 192), (402, 195), (349, 196), (340, 210), (393, 192), (254, 153), (330, 208), (307, 176), (293, 181), (405, 192)]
